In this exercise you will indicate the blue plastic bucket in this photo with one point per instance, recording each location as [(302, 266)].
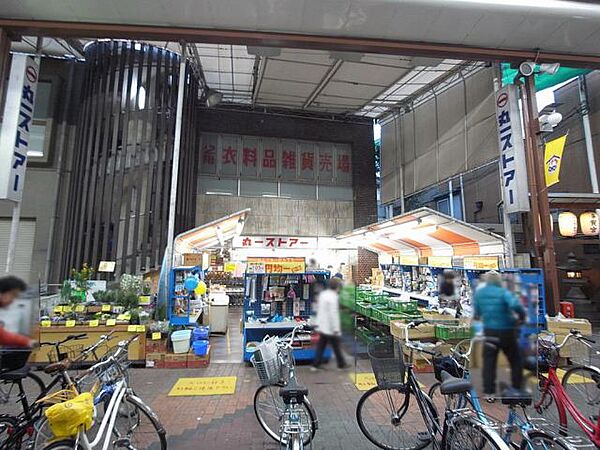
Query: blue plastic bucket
[(200, 333), (200, 347)]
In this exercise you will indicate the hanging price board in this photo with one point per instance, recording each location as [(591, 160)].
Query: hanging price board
[(440, 261), (481, 262), (409, 260)]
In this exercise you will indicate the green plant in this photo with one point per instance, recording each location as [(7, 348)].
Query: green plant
[(82, 277), (65, 292), (131, 283), (128, 299), (161, 313)]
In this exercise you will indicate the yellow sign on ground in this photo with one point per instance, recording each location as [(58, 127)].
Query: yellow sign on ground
[(363, 381), (366, 381), (188, 387)]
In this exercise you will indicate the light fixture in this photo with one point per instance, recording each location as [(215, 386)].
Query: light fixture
[(549, 68), (589, 223), (567, 224), (142, 98), (213, 97), (527, 68), (220, 236), (268, 52), (549, 118)]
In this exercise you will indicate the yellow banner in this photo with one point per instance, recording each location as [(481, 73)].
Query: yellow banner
[(203, 386), (440, 261), (553, 153), (276, 265), (409, 260), (481, 262)]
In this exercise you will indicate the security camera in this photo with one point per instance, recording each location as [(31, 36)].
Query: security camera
[(527, 68)]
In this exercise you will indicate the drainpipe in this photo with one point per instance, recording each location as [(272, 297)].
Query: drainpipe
[(450, 198)]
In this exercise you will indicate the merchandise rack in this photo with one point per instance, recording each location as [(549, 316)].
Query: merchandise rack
[(254, 300)]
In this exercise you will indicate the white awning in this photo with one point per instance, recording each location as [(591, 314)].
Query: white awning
[(425, 232), (211, 235)]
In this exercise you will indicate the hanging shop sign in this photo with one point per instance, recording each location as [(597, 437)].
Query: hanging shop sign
[(276, 265), (553, 153), (409, 260), (481, 262), (16, 124), (275, 242), (512, 151), (440, 261), (271, 158)]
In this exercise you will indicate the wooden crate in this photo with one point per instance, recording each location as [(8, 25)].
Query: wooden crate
[(173, 361), (196, 362)]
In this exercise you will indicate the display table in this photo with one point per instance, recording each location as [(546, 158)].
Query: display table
[(137, 349)]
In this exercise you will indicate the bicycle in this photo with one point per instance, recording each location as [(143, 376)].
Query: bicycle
[(17, 382), (578, 394), (535, 433), (281, 404), (16, 430), (384, 412), (127, 423)]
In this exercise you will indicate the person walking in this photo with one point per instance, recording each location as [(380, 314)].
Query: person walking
[(328, 323), (10, 288), (500, 311)]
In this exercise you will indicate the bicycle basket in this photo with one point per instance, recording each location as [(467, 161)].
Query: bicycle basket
[(58, 397), (446, 364), (547, 350), (387, 361), (13, 359), (267, 362), (71, 352), (66, 418)]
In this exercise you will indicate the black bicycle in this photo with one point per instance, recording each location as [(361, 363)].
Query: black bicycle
[(17, 382), (397, 415)]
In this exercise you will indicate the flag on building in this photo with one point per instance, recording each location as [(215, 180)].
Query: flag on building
[(553, 153)]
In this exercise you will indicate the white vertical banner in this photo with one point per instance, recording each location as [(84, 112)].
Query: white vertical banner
[(18, 118), (512, 151)]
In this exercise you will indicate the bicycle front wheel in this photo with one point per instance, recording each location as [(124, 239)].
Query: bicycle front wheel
[(582, 385), (468, 434), (540, 440), (389, 419), (8, 426), (10, 395), (270, 409), (137, 427)]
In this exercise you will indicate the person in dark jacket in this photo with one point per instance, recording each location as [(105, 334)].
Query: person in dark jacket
[(500, 311)]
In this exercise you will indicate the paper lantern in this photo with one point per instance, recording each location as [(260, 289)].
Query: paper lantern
[(589, 223), (567, 224)]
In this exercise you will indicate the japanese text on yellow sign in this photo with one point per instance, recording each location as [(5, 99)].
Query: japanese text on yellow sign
[(203, 386), (279, 265)]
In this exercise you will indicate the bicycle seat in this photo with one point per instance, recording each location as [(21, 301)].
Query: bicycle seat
[(516, 397), (293, 390), (58, 367), (453, 385), (14, 375)]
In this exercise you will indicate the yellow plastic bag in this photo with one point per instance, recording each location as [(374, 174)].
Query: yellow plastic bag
[(66, 418)]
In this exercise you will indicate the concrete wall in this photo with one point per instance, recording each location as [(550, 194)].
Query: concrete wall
[(280, 216), (358, 134), (450, 133), (41, 182)]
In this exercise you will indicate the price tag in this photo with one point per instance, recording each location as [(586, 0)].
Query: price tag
[(46, 323), (111, 322), (79, 308), (93, 323), (156, 336), (132, 328), (106, 308), (58, 309), (70, 323), (141, 328), (67, 309)]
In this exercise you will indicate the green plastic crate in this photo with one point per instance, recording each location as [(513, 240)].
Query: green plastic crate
[(400, 306), (363, 308), (452, 332)]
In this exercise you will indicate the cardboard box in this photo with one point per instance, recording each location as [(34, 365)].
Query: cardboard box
[(563, 326), (192, 259), (424, 331)]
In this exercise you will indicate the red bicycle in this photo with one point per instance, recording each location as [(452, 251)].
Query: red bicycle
[(578, 394)]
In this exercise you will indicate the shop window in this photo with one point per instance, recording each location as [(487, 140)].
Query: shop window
[(299, 191), (443, 206), (216, 186), (252, 188), (335, 193), (40, 130)]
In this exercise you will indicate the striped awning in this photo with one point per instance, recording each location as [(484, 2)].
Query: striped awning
[(211, 235), (425, 232)]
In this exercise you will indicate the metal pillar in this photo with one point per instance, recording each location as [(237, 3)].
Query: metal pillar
[(176, 153), (540, 208)]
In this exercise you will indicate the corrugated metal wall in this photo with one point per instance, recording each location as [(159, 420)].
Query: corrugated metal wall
[(451, 132)]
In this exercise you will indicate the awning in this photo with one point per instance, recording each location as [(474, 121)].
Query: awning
[(425, 232), (211, 235), (569, 200)]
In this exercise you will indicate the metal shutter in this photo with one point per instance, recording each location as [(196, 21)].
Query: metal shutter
[(24, 251)]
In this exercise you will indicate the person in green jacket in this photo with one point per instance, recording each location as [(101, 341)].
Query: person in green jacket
[(501, 312)]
